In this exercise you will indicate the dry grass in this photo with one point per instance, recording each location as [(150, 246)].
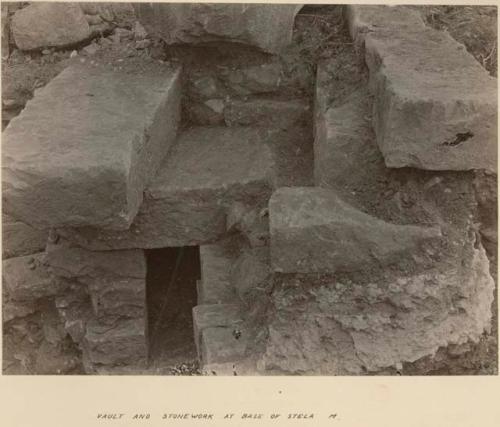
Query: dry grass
[(474, 26)]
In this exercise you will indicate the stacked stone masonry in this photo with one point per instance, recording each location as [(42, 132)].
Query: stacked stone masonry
[(337, 235)]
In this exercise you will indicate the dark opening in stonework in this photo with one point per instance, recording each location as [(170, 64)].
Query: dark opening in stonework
[(171, 294)]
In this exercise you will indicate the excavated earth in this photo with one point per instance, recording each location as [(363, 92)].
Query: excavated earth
[(295, 305)]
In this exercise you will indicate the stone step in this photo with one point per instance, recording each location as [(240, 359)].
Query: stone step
[(217, 260), (435, 106), (85, 147), (275, 113), (315, 231), (208, 170), (214, 316)]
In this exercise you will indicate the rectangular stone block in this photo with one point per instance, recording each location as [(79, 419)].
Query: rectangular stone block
[(122, 343), (213, 316), (69, 260), (86, 146), (118, 297), (219, 345), (215, 286), (20, 239), (207, 171), (435, 106)]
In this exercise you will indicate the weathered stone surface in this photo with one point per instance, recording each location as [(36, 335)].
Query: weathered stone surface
[(118, 297), (219, 345), (253, 79), (115, 280), (313, 230), (119, 344), (342, 133), (55, 360), (435, 106), (215, 286), (85, 147), (15, 309), (20, 239), (346, 328), (75, 309), (214, 316), (280, 114), (268, 27), (251, 272), (251, 222), (42, 25), (26, 278), (207, 171), (5, 31), (69, 260), (121, 14)]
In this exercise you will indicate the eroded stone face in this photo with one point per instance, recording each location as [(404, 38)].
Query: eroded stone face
[(435, 106), (344, 328), (314, 231), (88, 143), (268, 27)]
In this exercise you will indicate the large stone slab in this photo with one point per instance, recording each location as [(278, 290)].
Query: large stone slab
[(435, 106), (27, 278), (20, 239), (88, 143), (268, 27), (47, 24), (313, 231), (207, 171)]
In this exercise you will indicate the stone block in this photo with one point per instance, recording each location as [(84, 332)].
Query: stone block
[(41, 25), (205, 173), (118, 297), (251, 272), (86, 146), (219, 345), (342, 135), (119, 344), (69, 260), (267, 26), (214, 316), (216, 261), (27, 278), (435, 106), (314, 231)]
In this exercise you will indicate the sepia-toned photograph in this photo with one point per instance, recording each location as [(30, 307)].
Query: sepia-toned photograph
[(230, 189)]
